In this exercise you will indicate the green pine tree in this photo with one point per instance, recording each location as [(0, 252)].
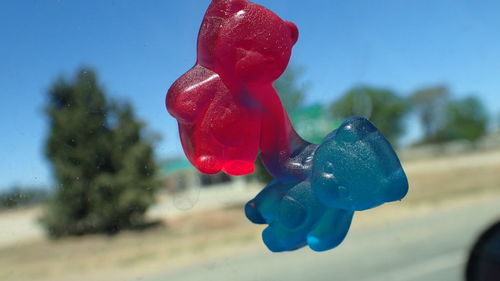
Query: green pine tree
[(101, 159)]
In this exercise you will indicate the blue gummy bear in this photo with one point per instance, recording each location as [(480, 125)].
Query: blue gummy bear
[(353, 169), (296, 218)]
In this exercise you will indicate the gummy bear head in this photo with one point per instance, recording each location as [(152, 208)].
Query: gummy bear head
[(245, 42), (355, 168)]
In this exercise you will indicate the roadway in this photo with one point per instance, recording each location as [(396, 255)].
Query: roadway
[(427, 246)]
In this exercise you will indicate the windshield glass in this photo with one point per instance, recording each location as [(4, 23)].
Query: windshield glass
[(96, 183)]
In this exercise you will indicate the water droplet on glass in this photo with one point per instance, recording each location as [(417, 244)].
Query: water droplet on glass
[(186, 199)]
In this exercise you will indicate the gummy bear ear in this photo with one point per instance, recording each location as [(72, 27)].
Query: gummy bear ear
[(229, 7), (294, 31)]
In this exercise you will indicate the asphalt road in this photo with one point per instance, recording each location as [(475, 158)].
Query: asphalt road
[(430, 247)]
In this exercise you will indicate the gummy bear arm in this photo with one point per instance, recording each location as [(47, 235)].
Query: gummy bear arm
[(190, 95)]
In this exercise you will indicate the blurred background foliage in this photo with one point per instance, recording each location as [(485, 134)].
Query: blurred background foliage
[(445, 118), (428, 103), (463, 119), (101, 157), (442, 117), (22, 196), (103, 161), (383, 107)]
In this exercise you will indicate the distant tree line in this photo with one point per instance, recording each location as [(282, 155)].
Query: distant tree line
[(383, 107), (442, 116), (103, 162), (445, 118), (18, 196)]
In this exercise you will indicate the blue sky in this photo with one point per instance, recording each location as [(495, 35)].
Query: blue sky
[(139, 48)]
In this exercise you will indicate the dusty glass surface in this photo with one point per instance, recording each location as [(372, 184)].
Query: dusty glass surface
[(94, 184)]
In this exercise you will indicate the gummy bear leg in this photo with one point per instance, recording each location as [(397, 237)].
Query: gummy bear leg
[(207, 163), (241, 146), (240, 160), (238, 167), (279, 239), (264, 208), (330, 230), (202, 150)]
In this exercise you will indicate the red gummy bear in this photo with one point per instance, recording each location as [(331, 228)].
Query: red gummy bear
[(226, 105)]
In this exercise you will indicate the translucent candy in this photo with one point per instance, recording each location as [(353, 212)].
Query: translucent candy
[(296, 218), (228, 111), (222, 102), (355, 168)]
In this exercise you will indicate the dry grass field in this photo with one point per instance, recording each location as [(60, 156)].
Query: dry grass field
[(204, 235)]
